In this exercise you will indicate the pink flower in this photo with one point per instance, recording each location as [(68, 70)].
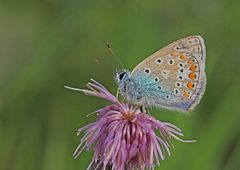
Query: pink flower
[(123, 137)]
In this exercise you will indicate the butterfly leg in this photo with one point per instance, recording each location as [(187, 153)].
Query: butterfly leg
[(118, 90), (147, 111), (144, 109)]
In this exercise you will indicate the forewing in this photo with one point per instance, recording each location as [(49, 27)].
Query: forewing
[(180, 70)]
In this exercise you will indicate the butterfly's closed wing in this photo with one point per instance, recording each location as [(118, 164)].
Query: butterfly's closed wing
[(178, 71)]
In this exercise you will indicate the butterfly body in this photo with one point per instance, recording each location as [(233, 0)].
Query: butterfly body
[(173, 77)]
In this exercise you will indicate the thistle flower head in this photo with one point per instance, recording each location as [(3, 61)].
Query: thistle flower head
[(123, 136)]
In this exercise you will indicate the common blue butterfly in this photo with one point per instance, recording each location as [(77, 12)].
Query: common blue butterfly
[(173, 77)]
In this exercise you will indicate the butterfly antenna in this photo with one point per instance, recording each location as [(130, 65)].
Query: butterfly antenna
[(114, 55)]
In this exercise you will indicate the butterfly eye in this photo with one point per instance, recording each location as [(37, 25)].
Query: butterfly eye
[(121, 75)]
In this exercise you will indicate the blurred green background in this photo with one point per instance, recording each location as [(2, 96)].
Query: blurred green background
[(47, 44)]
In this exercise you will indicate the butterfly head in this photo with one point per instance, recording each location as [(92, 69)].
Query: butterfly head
[(121, 76)]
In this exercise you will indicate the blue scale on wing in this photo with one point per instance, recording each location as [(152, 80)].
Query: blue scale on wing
[(150, 92), (149, 88)]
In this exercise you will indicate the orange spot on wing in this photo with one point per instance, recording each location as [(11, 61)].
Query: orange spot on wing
[(185, 94), (192, 67), (190, 62), (190, 85), (192, 76), (182, 56)]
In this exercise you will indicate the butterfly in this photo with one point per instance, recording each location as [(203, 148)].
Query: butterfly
[(173, 77)]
